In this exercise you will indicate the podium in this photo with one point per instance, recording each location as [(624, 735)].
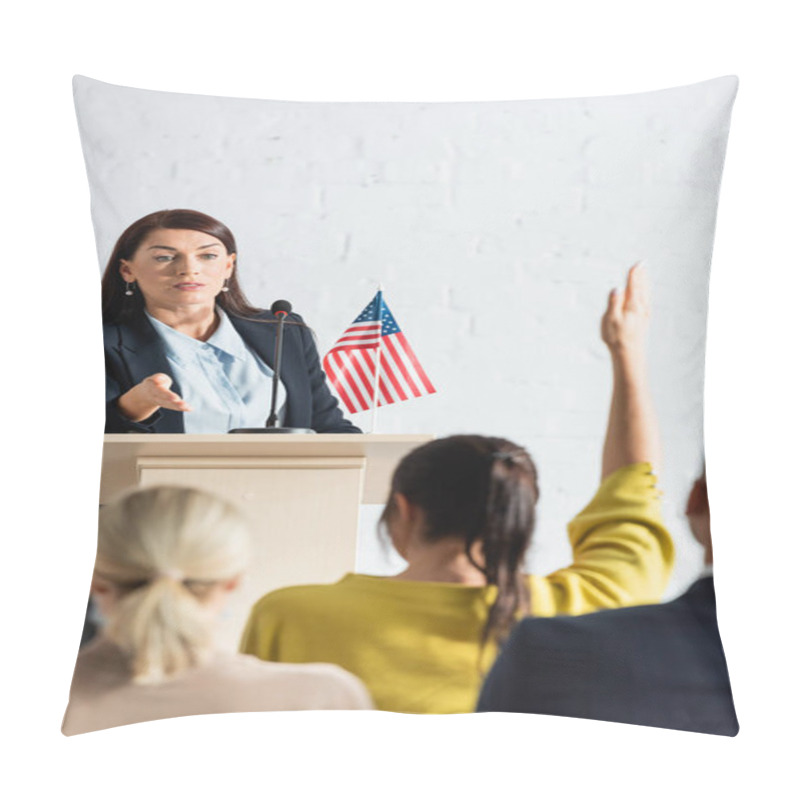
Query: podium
[(300, 492)]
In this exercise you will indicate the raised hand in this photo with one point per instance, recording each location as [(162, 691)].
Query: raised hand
[(632, 435), (624, 324)]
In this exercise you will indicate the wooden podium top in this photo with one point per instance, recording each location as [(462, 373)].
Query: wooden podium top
[(381, 452)]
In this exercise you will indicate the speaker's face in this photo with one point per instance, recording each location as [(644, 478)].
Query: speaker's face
[(178, 270)]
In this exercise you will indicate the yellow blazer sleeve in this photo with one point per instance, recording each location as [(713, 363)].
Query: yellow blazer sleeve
[(259, 637), (622, 553)]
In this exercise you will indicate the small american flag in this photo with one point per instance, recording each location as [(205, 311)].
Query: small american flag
[(374, 346)]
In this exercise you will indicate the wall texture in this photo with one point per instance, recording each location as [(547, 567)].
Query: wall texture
[(496, 229)]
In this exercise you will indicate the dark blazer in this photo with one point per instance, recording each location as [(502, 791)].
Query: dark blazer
[(134, 351), (659, 665)]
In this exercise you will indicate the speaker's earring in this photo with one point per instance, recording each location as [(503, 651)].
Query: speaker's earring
[(225, 286), (129, 288)]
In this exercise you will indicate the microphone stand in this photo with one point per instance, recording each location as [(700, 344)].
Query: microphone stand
[(272, 419), (280, 308)]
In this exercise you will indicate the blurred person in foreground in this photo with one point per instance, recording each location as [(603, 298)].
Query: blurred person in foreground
[(658, 665), (167, 559)]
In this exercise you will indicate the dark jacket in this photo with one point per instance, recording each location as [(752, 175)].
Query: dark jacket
[(133, 351), (659, 665)]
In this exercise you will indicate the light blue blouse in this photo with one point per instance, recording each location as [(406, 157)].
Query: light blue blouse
[(224, 382)]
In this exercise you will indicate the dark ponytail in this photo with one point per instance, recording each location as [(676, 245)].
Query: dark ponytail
[(483, 490)]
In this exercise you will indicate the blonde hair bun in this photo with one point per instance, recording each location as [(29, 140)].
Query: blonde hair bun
[(164, 548)]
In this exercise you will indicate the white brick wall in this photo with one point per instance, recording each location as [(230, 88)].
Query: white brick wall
[(497, 230)]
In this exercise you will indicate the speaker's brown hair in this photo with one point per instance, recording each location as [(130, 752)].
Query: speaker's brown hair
[(117, 306)]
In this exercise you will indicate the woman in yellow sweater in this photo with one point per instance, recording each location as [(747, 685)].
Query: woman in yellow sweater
[(461, 512)]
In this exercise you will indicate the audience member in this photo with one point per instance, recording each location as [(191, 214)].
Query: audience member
[(167, 559), (461, 513), (659, 665)]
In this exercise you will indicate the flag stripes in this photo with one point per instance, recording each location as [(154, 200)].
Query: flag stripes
[(416, 367)]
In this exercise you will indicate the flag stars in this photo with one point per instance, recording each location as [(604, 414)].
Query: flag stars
[(376, 311)]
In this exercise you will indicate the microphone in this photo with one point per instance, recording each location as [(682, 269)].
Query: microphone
[(281, 309)]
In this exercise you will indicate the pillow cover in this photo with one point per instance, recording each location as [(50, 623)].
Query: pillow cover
[(494, 229)]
